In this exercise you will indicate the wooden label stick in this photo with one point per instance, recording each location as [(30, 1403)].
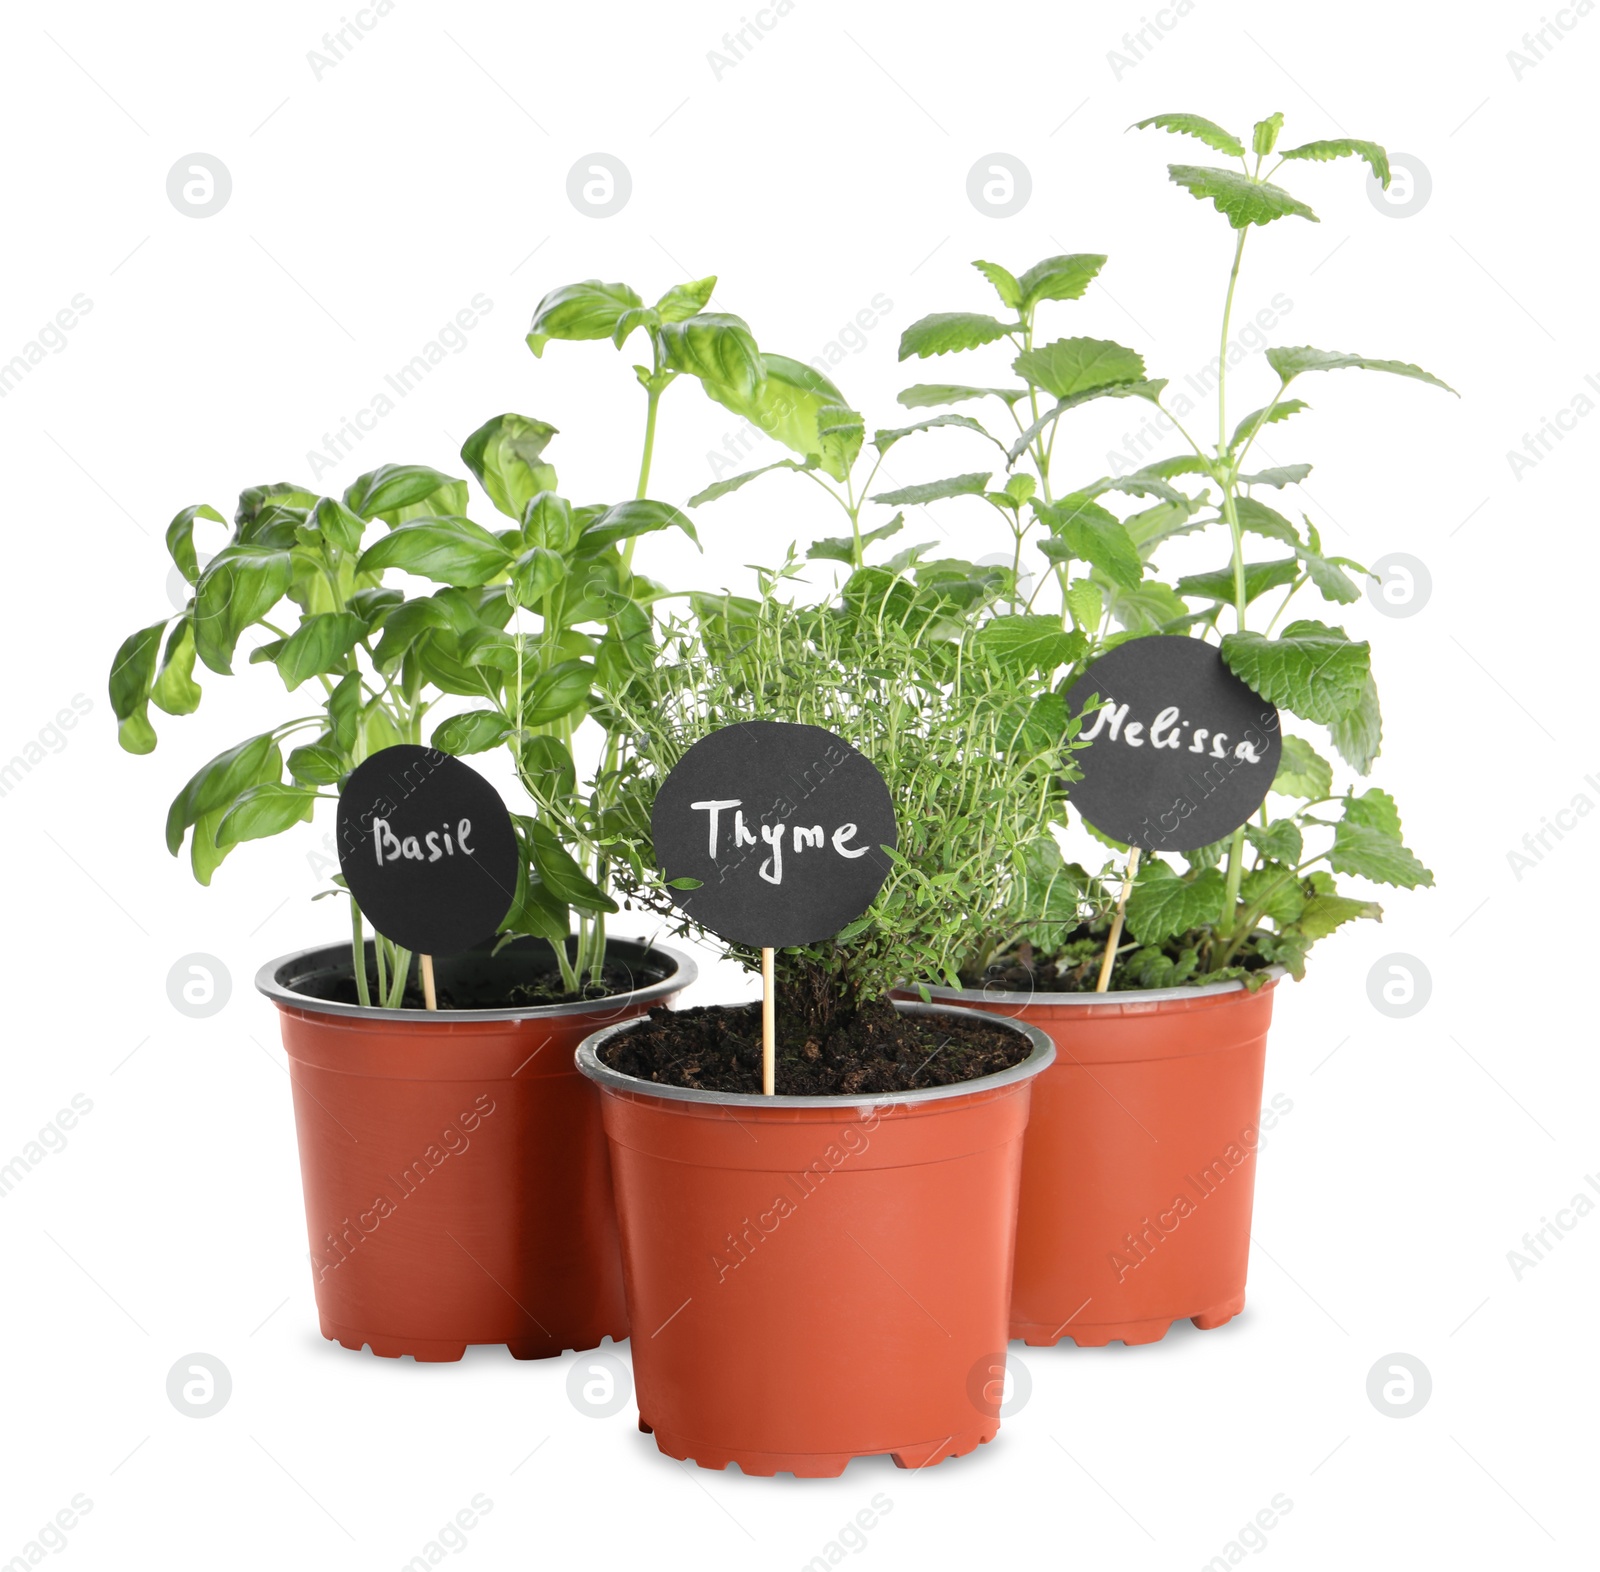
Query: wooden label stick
[(768, 1086), (1116, 922), (425, 966)]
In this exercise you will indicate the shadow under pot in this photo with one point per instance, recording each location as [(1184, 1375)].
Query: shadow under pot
[(1138, 1174), (812, 1279), (453, 1161)]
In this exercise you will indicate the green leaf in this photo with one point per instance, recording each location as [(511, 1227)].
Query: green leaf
[(796, 405), (947, 331), (548, 768), (1357, 733), (1241, 200), (504, 455), (1256, 518), (337, 524), (561, 874), (884, 440), (1084, 530), (240, 585), (1302, 771), (580, 311), (132, 672), (933, 490), (926, 395), (447, 550), (175, 689), (719, 349), (1280, 840), (474, 732), (1345, 147), (1376, 810), (397, 492), (1072, 366), (535, 573), (1059, 278), (1265, 136), (1371, 854), (1024, 643), (319, 645), (260, 811), (1321, 914), (722, 488), (624, 520), (1151, 607), (317, 764), (555, 693), (1328, 574), (1150, 390), (215, 784), (1278, 477), (1005, 284), (841, 548), (1085, 603), (1259, 577), (1208, 131), (1312, 670), (1268, 415), (1291, 361), (1273, 889), (686, 300), (1161, 908), (180, 537), (841, 431)]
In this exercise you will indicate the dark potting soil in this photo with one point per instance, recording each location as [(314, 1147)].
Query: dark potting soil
[(492, 992), (874, 1049)]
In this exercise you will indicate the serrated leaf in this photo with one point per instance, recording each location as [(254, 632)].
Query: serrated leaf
[(1086, 604), (1162, 908), (1370, 854), (1060, 278), (1291, 361), (926, 395), (1082, 529), (935, 490), (1025, 643), (1265, 135), (1374, 809), (1302, 771), (1259, 577), (946, 332), (1072, 366), (1345, 147), (1275, 891), (1207, 131), (1256, 518), (723, 488), (1279, 477), (1311, 670), (1358, 733), (1280, 840), (1321, 914), (1267, 415), (883, 440), (1005, 283), (1241, 200), (842, 548), (1148, 389)]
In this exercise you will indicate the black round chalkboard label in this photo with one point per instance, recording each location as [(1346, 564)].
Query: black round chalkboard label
[(1181, 751), (783, 826), (427, 849)]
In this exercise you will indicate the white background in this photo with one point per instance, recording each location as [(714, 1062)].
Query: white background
[(829, 166)]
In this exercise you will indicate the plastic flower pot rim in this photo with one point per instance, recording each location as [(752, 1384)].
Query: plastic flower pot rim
[(1040, 1057), (276, 980), (1091, 1000)]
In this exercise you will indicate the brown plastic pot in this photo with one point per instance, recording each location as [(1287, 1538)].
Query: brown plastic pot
[(1138, 1174), (453, 1161), (812, 1279)]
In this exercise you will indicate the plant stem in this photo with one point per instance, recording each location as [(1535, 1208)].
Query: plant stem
[(380, 947), (358, 954)]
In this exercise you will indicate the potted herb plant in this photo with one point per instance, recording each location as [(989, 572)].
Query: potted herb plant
[(1139, 1174), (454, 1167), (824, 1272)]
